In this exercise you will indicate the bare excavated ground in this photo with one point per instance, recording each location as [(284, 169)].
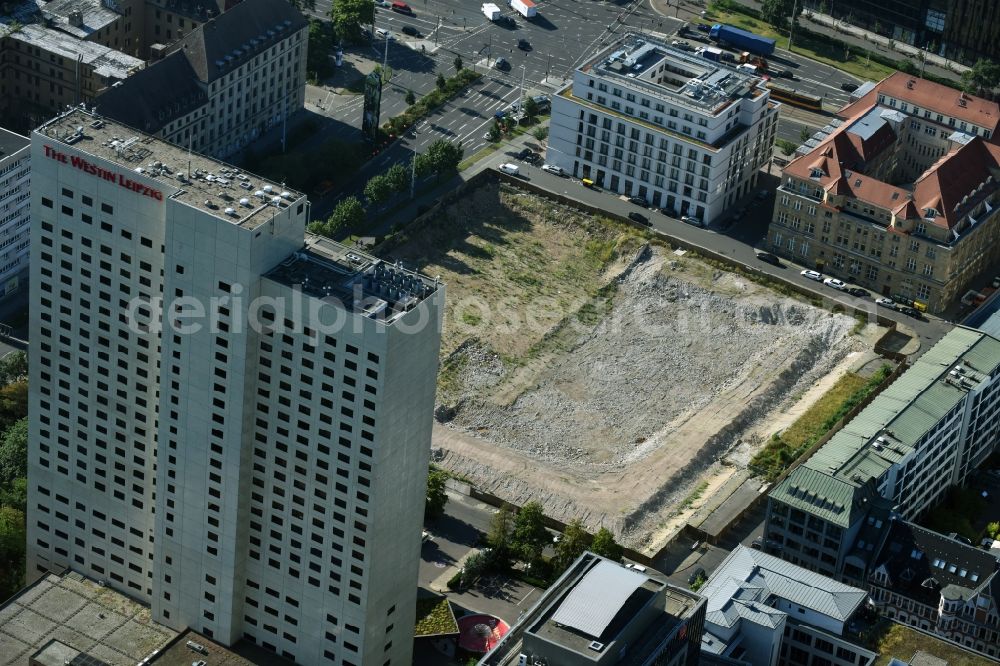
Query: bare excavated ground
[(623, 374)]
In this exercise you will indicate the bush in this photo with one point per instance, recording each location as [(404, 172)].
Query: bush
[(455, 582)]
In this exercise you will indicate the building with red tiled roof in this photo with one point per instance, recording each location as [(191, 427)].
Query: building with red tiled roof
[(901, 197)]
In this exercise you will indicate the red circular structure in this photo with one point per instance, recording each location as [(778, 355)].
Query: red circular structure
[(480, 632)]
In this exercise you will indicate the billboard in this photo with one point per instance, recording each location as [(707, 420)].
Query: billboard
[(373, 102)]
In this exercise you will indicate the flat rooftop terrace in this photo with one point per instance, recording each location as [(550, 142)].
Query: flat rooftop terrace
[(362, 283), (82, 615), (198, 181)]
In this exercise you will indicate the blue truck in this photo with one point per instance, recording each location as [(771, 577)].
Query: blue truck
[(742, 39)]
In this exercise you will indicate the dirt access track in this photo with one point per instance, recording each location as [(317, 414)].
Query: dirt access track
[(589, 367)]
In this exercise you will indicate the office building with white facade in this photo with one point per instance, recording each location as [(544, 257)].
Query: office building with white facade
[(222, 84), (228, 422), (927, 431), (766, 612), (15, 209), (646, 119)]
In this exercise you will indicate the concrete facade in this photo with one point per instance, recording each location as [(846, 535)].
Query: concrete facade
[(227, 424), (645, 119)]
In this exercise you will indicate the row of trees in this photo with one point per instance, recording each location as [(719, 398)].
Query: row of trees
[(522, 536), (440, 159), (13, 470)]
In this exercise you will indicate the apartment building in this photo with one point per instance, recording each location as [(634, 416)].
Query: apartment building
[(601, 612), (938, 584), (900, 195), (223, 84), (927, 431), (645, 119), (228, 422), (765, 611), (15, 209)]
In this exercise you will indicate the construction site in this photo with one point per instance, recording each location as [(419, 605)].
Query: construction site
[(595, 369)]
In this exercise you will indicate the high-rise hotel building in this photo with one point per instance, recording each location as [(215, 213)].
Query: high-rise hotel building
[(228, 422)]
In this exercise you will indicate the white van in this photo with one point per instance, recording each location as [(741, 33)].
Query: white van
[(510, 169)]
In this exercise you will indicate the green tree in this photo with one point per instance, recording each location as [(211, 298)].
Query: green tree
[(441, 82), (13, 367), (378, 188), (993, 530), (777, 12), (787, 147), (530, 536), (411, 99), (530, 108), (981, 77), (349, 15), (318, 52), (804, 134), (12, 540), (441, 157), (604, 544), (499, 536), (437, 498), (458, 63), (399, 177), (14, 453), (541, 133), (494, 132), (348, 214), (571, 545), (13, 403)]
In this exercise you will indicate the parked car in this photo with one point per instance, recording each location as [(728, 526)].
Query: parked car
[(885, 302), (510, 169), (908, 311), (524, 44), (769, 258), (411, 31), (692, 220), (812, 275), (523, 155), (639, 217), (502, 64), (532, 158), (996, 283), (758, 543), (553, 169), (849, 87), (704, 27), (859, 292), (588, 183), (696, 574), (638, 201), (839, 285), (382, 33)]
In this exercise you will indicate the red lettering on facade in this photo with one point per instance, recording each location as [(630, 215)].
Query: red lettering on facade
[(87, 167)]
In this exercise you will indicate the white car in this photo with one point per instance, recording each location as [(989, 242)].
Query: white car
[(812, 275), (552, 168), (839, 285), (885, 302), (688, 219)]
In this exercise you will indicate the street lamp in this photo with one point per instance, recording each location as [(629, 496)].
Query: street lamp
[(791, 28)]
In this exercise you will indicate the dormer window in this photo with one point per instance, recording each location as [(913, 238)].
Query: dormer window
[(816, 173), (929, 213)]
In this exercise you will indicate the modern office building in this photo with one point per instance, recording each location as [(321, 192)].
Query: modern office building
[(601, 612), (222, 84), (765, 611), (900, 195), (938, 584), (228, 422), (927, 431), (15, 210), (963, 30), (646, 119)]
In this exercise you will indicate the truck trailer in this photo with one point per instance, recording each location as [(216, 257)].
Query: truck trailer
[(491, 11), (525, 8), (742, 39)]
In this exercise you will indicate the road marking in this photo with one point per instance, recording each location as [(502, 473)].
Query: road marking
[(525, 597)]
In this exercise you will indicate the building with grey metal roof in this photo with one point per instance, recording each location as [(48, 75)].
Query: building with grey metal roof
[(600, 612), (767, 611), (924, 433)]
